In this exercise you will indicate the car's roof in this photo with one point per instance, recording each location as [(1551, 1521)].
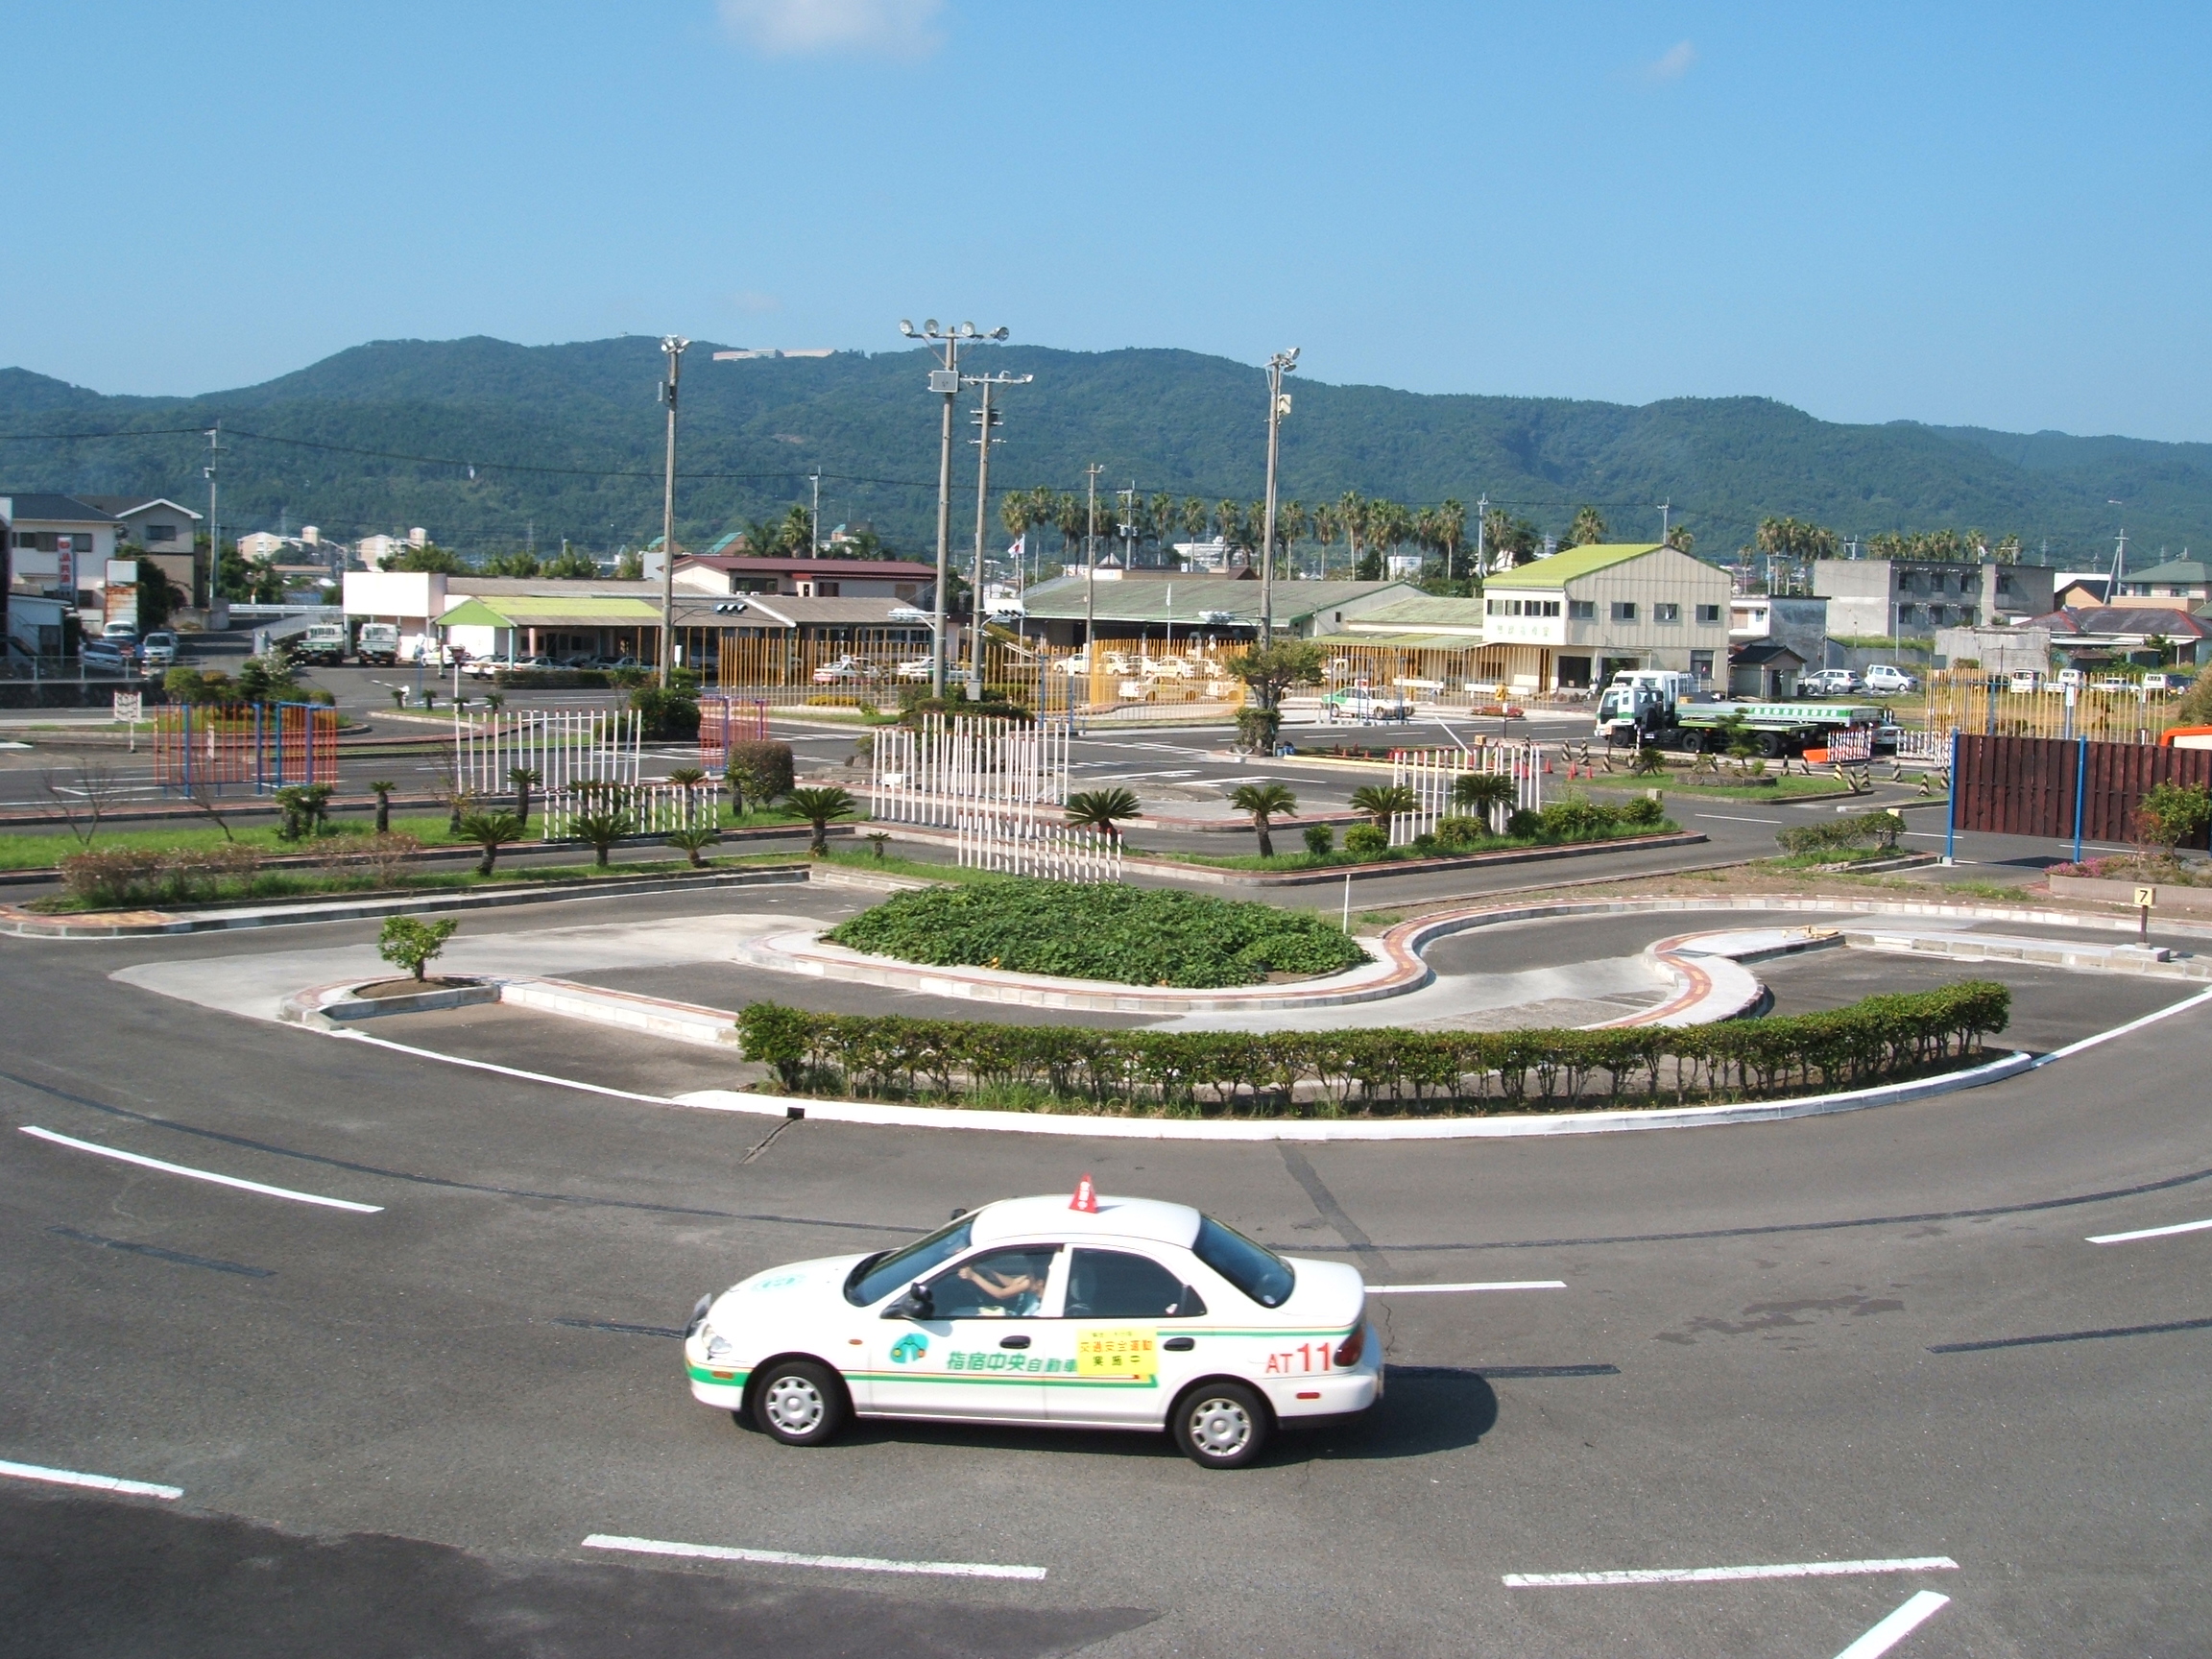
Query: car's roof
[(1049, 1214)]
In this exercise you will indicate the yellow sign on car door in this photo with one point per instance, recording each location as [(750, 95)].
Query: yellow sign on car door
[(1117, 1353)]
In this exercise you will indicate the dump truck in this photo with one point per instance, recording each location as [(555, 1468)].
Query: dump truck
[(379, 643), (1668, 711), (324, 644)]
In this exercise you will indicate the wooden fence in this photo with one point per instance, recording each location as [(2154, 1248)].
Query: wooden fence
[(2032, 785)]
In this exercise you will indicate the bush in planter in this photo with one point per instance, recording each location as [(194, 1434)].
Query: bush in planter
[(410, 942), (1644, 812), (1577, 819), (1366, 841), (1320, 839), (1461, 835), (1257, 729), (1842, 834), (2170, 814), (1523, 824), (759, 772)]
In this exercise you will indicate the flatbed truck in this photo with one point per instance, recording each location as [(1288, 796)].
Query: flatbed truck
[(1666, 709)]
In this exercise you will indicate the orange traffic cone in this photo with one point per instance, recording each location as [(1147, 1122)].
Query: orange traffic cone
[(1086, 1197)]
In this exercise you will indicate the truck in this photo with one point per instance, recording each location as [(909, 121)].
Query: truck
[(379, 643), (1667, 710), (324, 644)]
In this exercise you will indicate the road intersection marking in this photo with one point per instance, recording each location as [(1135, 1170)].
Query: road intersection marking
[(1898, 1625), (790, 1558), (203, 1174), (1731, 1575), (2151, 1233)]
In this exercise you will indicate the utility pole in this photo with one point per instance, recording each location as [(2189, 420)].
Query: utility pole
[(1091, 578), (1127, 526), (814, 523), (986, 418), (214, 528), (674, 345), (1481, 518), (1663, 514), (944, 344), (1278, 406)]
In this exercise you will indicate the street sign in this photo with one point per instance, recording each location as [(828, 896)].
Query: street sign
[(2144, 898), (129, 706)]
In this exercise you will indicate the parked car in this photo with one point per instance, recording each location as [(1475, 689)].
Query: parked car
[(109, 656), (2025, 681), (915, 668), (844, 670), (158, 650), (1830, 683), (1887, 679)]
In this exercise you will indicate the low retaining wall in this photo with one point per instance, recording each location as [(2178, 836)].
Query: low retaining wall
[(2189, 901)]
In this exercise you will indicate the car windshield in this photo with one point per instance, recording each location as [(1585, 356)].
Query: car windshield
[(1253, 1268), (877, 1276)]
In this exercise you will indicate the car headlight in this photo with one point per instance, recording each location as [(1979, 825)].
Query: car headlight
[(715, 1345)]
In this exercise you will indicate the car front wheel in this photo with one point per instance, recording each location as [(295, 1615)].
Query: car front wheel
[(800, 1402), (1221, 1424)]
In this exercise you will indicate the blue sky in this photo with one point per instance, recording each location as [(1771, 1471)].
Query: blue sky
[(1976, 215)]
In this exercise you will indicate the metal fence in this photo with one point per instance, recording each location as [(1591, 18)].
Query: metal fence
[(643, 809), (563, 746), (214, 748), (957, 764), (1432, 773), (727, 720), (1022, 841), (1989, 704)]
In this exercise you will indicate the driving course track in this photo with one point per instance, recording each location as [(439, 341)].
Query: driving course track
[(1793, 1366)]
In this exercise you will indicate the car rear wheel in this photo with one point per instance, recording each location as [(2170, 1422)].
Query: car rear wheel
[(800, 1402), (1221, 1424)]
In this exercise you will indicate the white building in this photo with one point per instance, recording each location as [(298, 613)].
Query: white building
[(261, 547), (59, 548)]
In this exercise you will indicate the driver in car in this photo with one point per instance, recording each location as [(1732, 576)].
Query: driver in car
[(1015, 1287)]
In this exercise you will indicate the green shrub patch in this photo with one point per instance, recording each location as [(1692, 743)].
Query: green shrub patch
[(1845, 834), (1130, 936), (1373, 1073)]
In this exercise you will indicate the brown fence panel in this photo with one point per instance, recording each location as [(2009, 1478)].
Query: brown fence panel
[(2025, 785)]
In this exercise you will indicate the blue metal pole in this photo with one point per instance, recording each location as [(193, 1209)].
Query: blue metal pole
[(2080, 791), (1951, 805)]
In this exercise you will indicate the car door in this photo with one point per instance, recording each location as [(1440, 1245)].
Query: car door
[(1131, 1325), (976, 1352)]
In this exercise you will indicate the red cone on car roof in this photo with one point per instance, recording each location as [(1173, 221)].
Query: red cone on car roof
[(1086, 1197)]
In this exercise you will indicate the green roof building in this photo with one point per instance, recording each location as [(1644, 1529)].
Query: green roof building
[(1586, 614)]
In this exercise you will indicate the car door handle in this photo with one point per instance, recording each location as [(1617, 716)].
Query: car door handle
[(1180, 1344), (1013, 1341)]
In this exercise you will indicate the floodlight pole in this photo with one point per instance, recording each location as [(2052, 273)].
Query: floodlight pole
[(674, 344), (986, 418), (945, 345), (1278, 406), (1091, 577)]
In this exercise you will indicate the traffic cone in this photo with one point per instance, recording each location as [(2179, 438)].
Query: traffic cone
[(1086, 1197)]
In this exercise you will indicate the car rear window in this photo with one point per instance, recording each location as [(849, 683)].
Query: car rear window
[(1253, 1268), (880, 1275)]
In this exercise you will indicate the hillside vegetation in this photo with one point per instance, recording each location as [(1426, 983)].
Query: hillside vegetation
[(568, 439)]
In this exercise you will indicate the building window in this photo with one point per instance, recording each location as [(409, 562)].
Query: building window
[(1711, 613), (1582, 609), (1665, 613), (160, 533), (1702, 662), (1624, 610)]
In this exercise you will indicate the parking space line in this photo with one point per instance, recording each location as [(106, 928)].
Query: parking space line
[(790, 1558), (97, 1483), (1726, 818), (1489, 1285), (2151, 1233), (203, 1174), (1731, 1575), (1898, 1625), (2132, 1025)]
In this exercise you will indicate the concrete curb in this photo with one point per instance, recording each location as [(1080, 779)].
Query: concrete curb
[(335, 1008)]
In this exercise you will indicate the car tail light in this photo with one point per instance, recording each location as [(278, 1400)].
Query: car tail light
[(1348, 1351)]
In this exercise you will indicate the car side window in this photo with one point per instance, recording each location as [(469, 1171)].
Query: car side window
[(1117, 1285), (995, 1285)]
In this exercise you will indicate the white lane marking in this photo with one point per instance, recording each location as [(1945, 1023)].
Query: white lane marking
[(1490, 1284), (98, 1482), (1730, 1574), (1900, 1624), (507, 1070), (203, 1174), (2152, 1233), (2196, 1001), (788, 1558), (1727, 819)]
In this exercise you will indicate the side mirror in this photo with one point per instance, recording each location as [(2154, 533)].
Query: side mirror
[(914, 1304)]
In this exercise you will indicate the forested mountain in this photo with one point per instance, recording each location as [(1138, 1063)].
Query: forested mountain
[(568, 439)]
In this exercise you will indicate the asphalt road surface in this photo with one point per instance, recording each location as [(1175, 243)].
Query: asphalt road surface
[(1875, 1338)]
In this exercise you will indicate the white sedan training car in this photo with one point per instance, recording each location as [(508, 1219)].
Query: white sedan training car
[(1132, 1313)]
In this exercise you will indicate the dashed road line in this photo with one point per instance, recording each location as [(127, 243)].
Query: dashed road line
[(190, 1173), (835, 1563), (1898, 1625), (1484, 1284), (1731, 1575), (97, 1483), (2151, 1233)]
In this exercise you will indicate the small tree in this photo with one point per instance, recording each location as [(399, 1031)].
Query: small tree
[(525, 780), (382, 789), (412, 944), (1264, 802), (1650, 761), (818, 806), (688, 778), (1102, 809), (2170, 814), (694, 839), (92, 790), (1320, 840), (1484, 794), (1382, 803), (601, 824), (490, 830), (1270, 671)]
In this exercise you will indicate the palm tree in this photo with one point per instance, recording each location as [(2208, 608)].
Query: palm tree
[(382, 789), (490, 830), (1352, 519), (1484, 793), (1229, 523), (693, 839), (1498, 533), (1263, 802), (525, 780), (818, 806), (1450, 522), (1193, 517), (599, 827), (1325, 529), (1099, 809), (1383, 802), (1069, 516), (688, 778), (1588, 528)]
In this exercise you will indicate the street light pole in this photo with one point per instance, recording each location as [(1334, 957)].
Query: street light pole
[(674, 345), (1278, 406), (986, 418), (814, 523), (1091, 583), (944, 344)]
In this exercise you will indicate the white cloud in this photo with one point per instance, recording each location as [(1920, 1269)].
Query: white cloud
[(1673, 63), (799, 28)]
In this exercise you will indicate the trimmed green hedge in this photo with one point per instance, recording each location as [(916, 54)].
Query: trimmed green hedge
[(1843, 833), (1104, 931), (1378, 1074)]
